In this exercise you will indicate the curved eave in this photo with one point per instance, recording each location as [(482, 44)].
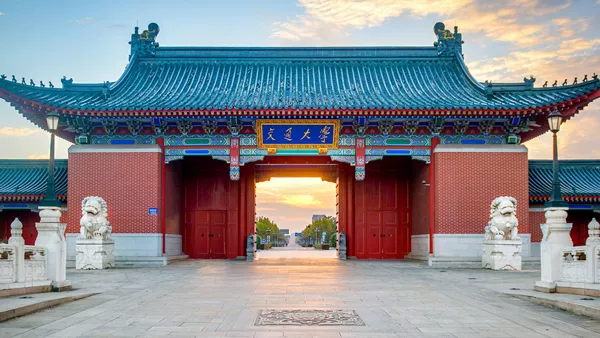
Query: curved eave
[(35, 113), (29, 108), (27, 198), (568, 109)]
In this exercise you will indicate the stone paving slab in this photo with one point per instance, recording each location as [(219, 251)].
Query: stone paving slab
[(209, 298), (21, 305)]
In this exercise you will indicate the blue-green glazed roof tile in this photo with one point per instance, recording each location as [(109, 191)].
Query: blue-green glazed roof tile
[(579, 179), (26, 180), (383, 78)]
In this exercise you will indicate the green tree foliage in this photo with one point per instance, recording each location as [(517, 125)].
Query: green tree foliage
[(264, 223), (327, 224), (333, 240)]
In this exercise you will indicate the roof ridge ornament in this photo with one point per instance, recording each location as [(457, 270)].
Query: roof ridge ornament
[(66, 83), (144, 44), (529, 82), (448, 43)]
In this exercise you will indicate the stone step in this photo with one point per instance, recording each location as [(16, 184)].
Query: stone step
[(17, 306)]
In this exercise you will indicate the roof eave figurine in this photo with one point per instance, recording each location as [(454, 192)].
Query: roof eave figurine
[(144, 44)]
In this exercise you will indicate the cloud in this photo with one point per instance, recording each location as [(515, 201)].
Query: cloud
[(38, 156), (8, 131), (574, 57), (264, 209), (328, 20), (87, 19), (297, 192), (1, 13), (515, 21), (577, 138), (291, 202)]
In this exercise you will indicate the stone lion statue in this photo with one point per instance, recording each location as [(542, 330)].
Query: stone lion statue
[(503, 219), (94, 224)]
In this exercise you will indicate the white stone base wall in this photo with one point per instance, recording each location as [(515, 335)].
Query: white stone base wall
[(419, 246), (145, 249), (468, 245), (535, 249), (174, 245)]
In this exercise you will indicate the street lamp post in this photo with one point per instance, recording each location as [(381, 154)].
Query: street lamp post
[(50, 200), (556, 201), (269, 235)]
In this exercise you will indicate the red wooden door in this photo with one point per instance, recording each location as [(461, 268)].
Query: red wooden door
[(217, 234), (201, 232), (374, 242), (389, 239), (382, 211), (389, 212), (403, 218)]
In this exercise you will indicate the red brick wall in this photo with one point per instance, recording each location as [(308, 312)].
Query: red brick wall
[(467, 182), (535, 219), (420, 198), (128, 181), (174, 197)]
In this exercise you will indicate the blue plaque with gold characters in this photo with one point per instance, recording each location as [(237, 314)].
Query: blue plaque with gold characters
[(305, 134)]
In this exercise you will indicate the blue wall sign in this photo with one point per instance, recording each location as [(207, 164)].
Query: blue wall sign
[(309, 134), (152, 211)]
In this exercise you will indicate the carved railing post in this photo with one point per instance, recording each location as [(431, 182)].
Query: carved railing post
[(17, 241), (591, 244), (556, 237), (51, 236)]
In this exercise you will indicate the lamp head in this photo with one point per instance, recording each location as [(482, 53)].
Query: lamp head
[(52, 120), (554, 121)]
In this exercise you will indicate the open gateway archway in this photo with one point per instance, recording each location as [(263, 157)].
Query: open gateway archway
[(218, 214), (296, 218)]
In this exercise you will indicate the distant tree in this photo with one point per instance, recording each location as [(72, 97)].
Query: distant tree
[(333, 240), (316, 229), (264, 223)]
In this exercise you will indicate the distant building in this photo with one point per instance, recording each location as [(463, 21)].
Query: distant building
[(318, 217)]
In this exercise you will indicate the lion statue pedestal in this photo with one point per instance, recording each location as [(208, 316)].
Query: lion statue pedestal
[(94, 244), (501, 245)]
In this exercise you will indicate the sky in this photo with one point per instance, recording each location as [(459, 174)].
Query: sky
[(504, 42)]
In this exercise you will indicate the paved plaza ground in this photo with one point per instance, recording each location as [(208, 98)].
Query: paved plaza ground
[(293, 250), (204, 298)]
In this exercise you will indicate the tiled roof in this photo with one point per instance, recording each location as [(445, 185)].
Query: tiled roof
[(361, 78), (580, 180), (25, 180)]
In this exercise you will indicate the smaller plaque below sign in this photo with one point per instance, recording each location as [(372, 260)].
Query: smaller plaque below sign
[(152, 211)]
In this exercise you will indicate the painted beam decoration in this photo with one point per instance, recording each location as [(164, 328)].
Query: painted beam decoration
[(291, 134)]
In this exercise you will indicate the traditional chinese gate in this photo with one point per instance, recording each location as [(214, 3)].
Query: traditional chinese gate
[(219, 213)]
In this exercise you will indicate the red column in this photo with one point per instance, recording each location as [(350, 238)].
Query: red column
[(243, 210), (350, 227), (434, 142), (163, 194)]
